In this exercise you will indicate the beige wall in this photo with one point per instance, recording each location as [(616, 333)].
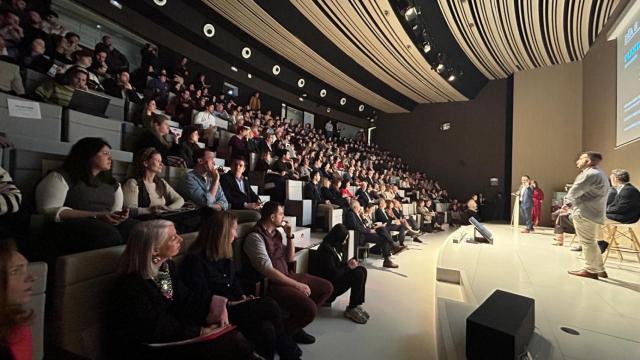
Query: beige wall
[(547, 127)]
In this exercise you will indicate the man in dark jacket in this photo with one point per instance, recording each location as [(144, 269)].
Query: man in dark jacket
[(363, 195), (236, 188), (380, 236), (623, 203)]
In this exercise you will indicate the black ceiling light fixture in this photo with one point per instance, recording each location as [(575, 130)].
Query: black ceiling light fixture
[(423, 38)]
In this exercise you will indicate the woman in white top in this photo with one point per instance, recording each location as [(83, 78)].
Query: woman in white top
[(83, 200), (146, 193)]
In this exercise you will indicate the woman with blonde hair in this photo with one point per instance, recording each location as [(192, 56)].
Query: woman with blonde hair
[(209, 270), (16, 283), (149, 304)]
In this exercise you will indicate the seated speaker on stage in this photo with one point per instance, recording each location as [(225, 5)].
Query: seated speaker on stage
[(623, 202)]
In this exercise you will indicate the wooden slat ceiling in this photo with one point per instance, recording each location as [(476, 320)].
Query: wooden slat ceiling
[(367, 31), (504, 36)]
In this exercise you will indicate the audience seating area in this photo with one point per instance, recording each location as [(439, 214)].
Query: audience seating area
[(39, 144)]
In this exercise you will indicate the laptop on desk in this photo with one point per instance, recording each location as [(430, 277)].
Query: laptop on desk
[(89, 102)]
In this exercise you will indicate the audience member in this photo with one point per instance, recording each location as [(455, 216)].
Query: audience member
[(202, 185), (208, 269), (146, 193), (149, 304), (254, 102), (189, 145), (297, 293), (16, 282), (384, 214), (57, 93), (81, 198), (156, 137), (238, 144), (35, 58), (344, 274), (237, 189), (116, 61), (10, 78), (121, 88), (378, 235)]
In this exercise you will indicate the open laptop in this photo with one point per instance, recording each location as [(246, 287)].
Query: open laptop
[(89, 102)]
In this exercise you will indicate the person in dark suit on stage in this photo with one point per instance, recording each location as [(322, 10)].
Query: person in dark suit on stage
[(623, 203), (526, 203)]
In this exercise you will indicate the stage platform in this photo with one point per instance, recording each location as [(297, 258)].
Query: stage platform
[(605, 312)]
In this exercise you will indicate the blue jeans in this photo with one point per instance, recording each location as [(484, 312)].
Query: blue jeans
[(525, 215)]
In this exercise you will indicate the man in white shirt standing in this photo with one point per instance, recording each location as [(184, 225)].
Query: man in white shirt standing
[(208, 122), (588, 200)]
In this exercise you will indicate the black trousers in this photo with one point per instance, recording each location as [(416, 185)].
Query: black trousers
[(354, 279), (260, 321), (383, 240), (78, 235), (563, 224), (400, 228)]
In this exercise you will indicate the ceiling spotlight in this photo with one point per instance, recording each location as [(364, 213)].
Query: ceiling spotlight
[(301, 83), (343, 101), (301, 99), (328, 109), (361, 108), (304, 95), (233, 68), (451, 77), (98, 26), (411, 13), (119, 6), (440, 68), (208, 30), (426, 47), (323, 93), (275, 69), (230, 92), (158, 2), (246, 53), (249, 75)]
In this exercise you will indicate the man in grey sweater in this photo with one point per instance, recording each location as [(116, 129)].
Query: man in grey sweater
[(588, 200)]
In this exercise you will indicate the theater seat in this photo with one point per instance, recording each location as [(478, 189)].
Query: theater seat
[(39, 271), (81, 287)]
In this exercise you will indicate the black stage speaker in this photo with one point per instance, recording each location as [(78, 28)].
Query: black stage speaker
[(500, 328)]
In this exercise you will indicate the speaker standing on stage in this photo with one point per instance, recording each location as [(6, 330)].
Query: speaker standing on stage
[(588, 199), (526, 202)]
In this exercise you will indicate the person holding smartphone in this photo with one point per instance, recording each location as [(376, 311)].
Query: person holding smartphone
[(84, 201)]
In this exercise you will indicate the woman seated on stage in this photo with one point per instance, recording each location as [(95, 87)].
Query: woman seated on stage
[(342, 273), (209, 270), (16, 283), (84, 200), (149, 304)]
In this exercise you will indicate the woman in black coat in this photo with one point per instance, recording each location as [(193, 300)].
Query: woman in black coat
[(208, 269), (329, 263), (149, 304)]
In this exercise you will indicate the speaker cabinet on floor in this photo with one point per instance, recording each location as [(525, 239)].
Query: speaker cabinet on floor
[(500, 328)]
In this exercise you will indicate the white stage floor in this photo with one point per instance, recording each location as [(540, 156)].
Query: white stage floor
[(606, 312)]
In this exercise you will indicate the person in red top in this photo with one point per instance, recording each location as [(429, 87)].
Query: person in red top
[(538, 197), (16, 282)]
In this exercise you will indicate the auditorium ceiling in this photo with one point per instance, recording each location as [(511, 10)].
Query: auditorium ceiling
[(363, 56)]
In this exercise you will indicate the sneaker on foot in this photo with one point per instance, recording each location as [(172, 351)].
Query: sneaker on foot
[(355, 316), (363, 311)]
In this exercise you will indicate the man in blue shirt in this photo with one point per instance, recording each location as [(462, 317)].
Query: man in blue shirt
[(202, 185)]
